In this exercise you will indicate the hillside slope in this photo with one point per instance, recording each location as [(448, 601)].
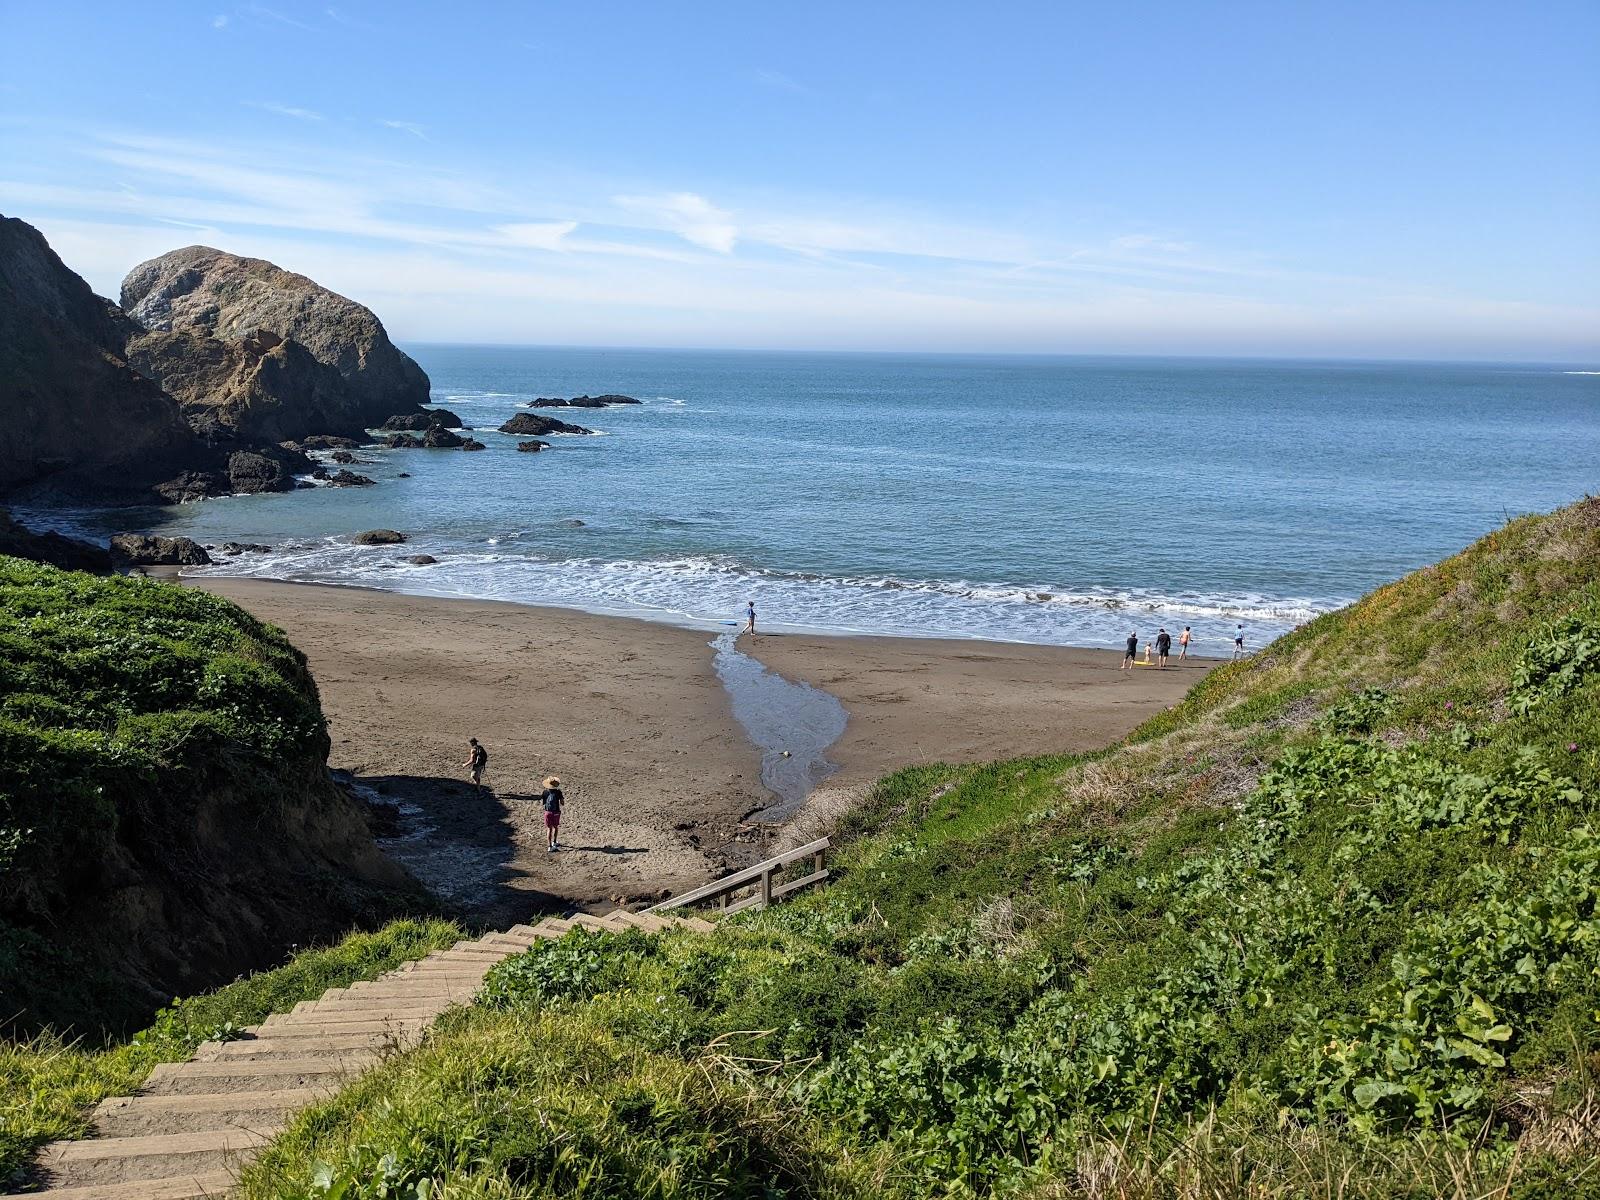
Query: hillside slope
[(1328, 927), (166, 818)]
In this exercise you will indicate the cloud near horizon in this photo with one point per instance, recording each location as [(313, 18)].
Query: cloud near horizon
[(449, 255)]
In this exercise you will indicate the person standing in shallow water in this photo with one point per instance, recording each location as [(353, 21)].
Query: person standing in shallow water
[(1238, 641), (750, 618), (1183, 643), (553, 802), (1133, 649), (477, 762)]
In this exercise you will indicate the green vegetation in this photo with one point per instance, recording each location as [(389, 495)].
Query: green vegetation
[(1327, 927), (1330, 926), (144, 728), (48, 1085)]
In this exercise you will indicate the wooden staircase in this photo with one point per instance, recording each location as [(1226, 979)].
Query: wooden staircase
[(193, 1124)]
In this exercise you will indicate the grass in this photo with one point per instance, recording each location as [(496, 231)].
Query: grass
[(48, 1085), (144, 728)]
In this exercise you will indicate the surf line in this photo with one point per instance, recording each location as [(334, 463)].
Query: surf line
[(792, 724)]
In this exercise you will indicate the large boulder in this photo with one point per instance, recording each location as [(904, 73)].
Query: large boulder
[(214, 294), (148, 550), (530, 425), (532, 447), (379, 537), (74, 412)]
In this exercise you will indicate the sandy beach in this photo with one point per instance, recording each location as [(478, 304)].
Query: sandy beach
[(633, 718)]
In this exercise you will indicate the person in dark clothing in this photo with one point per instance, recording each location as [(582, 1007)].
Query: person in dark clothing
[(477, 761), (1133, 649), (553, 802), (1163, 647)]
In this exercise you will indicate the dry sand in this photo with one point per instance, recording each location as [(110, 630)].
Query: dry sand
[(631, 716)]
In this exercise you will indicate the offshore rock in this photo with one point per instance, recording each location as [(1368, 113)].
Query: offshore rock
[(379, 537), (260, 387), (532, 447), (417, 422), (535, 426), (212, 294)]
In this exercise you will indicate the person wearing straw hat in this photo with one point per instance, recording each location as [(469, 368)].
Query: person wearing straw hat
[(553, 800)]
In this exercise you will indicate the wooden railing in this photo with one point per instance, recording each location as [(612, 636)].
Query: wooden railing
[(760, 877)]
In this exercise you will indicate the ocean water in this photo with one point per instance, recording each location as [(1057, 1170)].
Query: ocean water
[(1055, 500)]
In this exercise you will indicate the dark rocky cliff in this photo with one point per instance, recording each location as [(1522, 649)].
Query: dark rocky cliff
[(72, 410)]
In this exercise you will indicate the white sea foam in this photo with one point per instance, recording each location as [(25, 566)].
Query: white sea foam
[(1581, 372), (702, 591)]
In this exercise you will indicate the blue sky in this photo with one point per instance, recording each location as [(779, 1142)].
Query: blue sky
[(1385, 179)]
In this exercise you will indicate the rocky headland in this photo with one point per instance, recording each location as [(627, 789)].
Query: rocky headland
[(215, 376)]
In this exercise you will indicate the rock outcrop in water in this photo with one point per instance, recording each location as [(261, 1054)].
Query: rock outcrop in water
[(74, 412), (148, 550), (224, 297), (605, 401), (529, 425)]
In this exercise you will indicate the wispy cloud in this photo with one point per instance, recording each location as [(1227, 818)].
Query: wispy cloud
[(446, 253), (411, 127), (284, 110), (220, 21), (262, 13), (778, 81), (689, 215)]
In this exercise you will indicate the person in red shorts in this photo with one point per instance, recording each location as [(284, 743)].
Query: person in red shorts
[(553, 802)]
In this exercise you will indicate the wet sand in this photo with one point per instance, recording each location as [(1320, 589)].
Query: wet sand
[(660, 776)]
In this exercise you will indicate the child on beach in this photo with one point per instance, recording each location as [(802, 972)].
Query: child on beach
[(750, 618), (1183, 644), (477, 761), (1238, 640), (553, 802), (1133, 648)]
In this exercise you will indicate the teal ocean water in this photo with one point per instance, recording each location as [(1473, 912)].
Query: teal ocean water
[(1050, 500)]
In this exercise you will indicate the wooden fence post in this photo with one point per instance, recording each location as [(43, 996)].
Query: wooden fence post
[(766, 889)]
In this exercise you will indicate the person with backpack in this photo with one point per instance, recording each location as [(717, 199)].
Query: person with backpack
[(477, 761), (553, 802)]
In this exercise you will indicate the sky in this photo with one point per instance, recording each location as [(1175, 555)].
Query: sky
[(1373, 180)]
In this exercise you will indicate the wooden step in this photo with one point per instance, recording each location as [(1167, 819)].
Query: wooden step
[(190, 1186), (197, 1078), (248, 1049), (639, 920), (130, 1116), (309, 1025), (99, 1161)]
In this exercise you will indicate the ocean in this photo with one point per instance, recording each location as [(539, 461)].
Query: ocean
[(1061, 500)]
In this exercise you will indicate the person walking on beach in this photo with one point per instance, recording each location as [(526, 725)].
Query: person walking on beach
[(1238, 641), (553, 802), (750, 618), (1163, 646), (1183, 644), (477, 762), (1133, 648)]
